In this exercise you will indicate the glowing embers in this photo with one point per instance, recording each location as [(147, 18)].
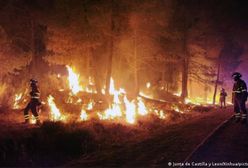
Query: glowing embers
[(160, 114), (195, 100), (55, 113), (90, 105), (83, 115), (176, 108), (148, 85), (198, 101), (177, 94)]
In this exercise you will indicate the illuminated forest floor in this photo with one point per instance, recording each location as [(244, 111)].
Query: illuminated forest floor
[(169, 144), (101, 143)]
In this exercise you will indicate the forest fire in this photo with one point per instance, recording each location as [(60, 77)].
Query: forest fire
[(196, 100), (120, 107), (55, 114), (17, 100), (90, 83), (73, 80), (160, 114), (142, 110), (83, 115)]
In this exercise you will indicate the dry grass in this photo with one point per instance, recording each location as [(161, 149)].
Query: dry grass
[(104, 143)]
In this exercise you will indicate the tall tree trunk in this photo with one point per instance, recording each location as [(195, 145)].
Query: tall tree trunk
[(38, 67), (190, 93), (187, 24), (205, 92), (110, 59), (109, 68), (185, 69), (163, 80), (136, 72), (216, 83), (166, 86), (33, 50), (94, 71), (89, 62)]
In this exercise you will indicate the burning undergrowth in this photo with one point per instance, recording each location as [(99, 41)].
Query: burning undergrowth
[(79, 122), (80, 102)]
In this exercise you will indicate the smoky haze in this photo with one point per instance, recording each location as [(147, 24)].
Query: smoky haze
[(176, 45)]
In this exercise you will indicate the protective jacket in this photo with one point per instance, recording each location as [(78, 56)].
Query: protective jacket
[(240, 90)]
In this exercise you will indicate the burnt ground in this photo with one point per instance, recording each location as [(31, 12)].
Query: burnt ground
[(229, 145), (152, 143)]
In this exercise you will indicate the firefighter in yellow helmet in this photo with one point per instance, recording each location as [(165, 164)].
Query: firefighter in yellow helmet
[(239, 97), (34, 102)]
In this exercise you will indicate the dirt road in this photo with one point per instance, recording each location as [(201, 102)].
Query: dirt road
[(229, 145)]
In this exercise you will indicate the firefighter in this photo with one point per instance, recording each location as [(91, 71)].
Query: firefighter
[(223, 95), (239, 97), (34, 102)]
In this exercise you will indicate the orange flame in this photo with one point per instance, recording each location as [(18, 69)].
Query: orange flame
[(121, 106), (55, 112), (18, 97), (84, 115), (130, 111), (141, 107), (160, 114), (73, 80), (148, 85)]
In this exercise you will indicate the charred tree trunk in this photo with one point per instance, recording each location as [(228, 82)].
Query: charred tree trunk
[(163, 81), (95, 74), (109, 67), (187, 23), (38, 67), (216, 83), (205, 92), (190, 93), (33, 50), (110, 59), (185, 72), (136, 72), (185, 61), (89, 62)]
